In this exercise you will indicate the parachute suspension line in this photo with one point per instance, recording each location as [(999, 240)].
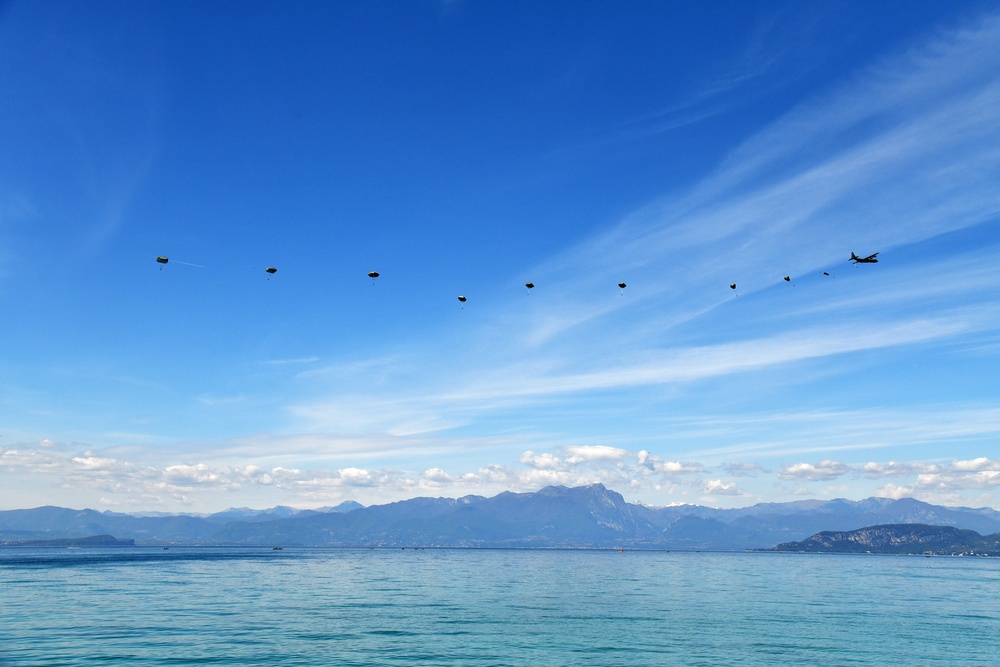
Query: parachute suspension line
[(163, 259)]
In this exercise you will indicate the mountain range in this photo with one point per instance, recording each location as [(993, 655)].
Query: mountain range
[(553, 517)]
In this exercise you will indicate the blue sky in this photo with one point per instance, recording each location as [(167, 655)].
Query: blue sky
[(464, 148)]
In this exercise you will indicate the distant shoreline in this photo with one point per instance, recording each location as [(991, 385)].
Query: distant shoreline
[(129, 544)]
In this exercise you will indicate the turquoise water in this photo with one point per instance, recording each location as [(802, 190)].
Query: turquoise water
[(201, 606)]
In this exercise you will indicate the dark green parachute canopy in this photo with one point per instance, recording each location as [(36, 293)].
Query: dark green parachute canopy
[(732, 286), (529, 284), (622, 285), (462, 299), (271, 270), (373, 274), (788, 279), (162, 260)]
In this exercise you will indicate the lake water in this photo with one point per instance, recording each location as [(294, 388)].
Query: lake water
[(204, 606)]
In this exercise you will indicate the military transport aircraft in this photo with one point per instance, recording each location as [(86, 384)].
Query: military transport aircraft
[(870, 259)]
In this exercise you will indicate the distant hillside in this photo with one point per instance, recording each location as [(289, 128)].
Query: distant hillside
[(92, 541), (556, 516), (900, 539)]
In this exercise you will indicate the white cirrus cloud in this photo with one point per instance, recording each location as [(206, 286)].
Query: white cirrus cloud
[(947, 484), (716, 487), (981, 464), (544, 461), (651, 463), (194, 475), (586, 453), (822, 471), (436, 476), (355, 477), (874, 470)]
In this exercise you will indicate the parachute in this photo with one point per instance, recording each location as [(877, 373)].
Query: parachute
[(530, 285), (462, 299), (271, 270), (162, 260), (622, 285), (788, 279), (373, 274), (732, 286)]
